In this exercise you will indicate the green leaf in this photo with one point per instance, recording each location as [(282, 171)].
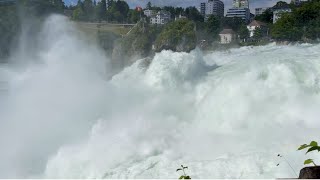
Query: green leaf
[(181, 177), (308, 161), (178, 170), (312, 149), (313, 143), (303, 147)]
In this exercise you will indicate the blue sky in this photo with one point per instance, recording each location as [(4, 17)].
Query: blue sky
[(185, 3)]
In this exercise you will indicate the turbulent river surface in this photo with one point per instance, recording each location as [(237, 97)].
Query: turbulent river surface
[(61, 117)]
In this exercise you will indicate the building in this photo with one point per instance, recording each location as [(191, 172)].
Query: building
[(243, 13), (296, 2), (259, 11), (240, 9), (149, 12), (212, 7), (162, 17), (203, 9), (180, 17), (255, 25), (278, 12), (7, 2), (240, 3), (227, 36)]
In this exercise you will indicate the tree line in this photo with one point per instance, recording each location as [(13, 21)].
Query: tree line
[(12, 16)]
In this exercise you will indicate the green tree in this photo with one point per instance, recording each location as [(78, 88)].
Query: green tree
[(193, 14), (149, 5), (232, 23), (213, 26), (102, 10), (243, 33), (286, 29), (133, 16), (177, 36), (88, 9), (258, 33), (266, 16)]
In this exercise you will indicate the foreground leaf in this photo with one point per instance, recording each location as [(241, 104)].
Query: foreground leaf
[(312, 149), (308, 161), (303, 147), (313, 143)]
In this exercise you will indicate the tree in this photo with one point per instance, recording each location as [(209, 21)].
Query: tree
[(133, 16), (102, 10), (149, 5), (213, 26), (285, 29), (177, 36), (243, 33), (232, 23), (266, 16), (193, 14), (258, 34)]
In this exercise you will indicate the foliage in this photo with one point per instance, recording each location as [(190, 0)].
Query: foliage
[(258, 34), (11, 15), (213, 26), (9, 28), (193, 14), (102, 10), (232, 23), (184, 176), (302, 24), (149, 5), (313, 146), (243, 32), (266, 16), (177, 36), (285, 29), (137, 44)]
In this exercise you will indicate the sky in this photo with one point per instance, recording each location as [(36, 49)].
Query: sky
[(186, 3)]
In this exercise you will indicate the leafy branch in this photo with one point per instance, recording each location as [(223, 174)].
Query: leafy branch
[(184, 176), (313, 146)]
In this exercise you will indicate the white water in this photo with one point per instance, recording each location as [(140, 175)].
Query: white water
[(61, 118)]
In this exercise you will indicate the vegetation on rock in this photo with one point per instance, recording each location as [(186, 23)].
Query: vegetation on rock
[(177, 36)]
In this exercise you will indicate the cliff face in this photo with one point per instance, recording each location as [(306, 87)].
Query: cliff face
[(179, 36), (137, 44)]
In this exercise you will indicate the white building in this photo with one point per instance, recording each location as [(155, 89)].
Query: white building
[(255, 25), (277, 13), (162, 17), (227, 36), (149, 12), (259, 11)]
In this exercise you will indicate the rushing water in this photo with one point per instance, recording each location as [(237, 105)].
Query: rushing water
[(62, 118)]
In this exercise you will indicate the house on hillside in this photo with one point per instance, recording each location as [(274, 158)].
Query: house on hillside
[(227, 36), (279, 9), (180, 17), (162, 17), (149, 12), (254, 25)]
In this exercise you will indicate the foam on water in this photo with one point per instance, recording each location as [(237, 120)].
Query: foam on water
[(63, 119)]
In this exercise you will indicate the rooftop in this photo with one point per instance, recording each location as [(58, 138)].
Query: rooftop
[(227, 31)]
